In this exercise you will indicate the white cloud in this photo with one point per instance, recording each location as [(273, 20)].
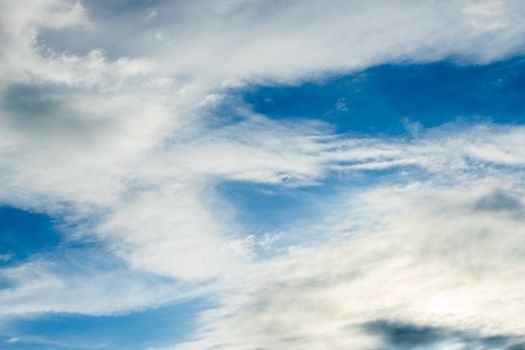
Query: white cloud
[(420, 254), (260, 41), (127, 142)]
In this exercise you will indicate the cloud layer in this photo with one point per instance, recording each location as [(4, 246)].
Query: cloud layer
[(111, 124)]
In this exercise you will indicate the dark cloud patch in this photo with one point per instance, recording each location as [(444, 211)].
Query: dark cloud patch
[(30, 101), (111, 23), (406, 336), (499, 201), (516, 347), (45, 111), (403, 335)]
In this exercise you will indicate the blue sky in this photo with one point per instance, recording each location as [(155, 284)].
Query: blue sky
[(25, 234), (378, 99), (136, 330), (262, 175)]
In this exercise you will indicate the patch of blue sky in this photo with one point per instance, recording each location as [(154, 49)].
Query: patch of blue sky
[(263, 209), (24, 234), (266, 208), (378, 100), (161, 326)]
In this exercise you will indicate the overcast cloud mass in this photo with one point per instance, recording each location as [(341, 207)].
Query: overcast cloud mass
[(245, 175)]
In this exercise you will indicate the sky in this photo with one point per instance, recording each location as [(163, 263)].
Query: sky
[(245, 174)]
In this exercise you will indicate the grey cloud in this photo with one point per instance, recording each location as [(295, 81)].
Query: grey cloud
[(499, 201), (404, 336), (111, 29), (43, 111)]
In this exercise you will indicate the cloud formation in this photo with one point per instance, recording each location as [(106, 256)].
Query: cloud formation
[(111, 125), (420, 254)]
